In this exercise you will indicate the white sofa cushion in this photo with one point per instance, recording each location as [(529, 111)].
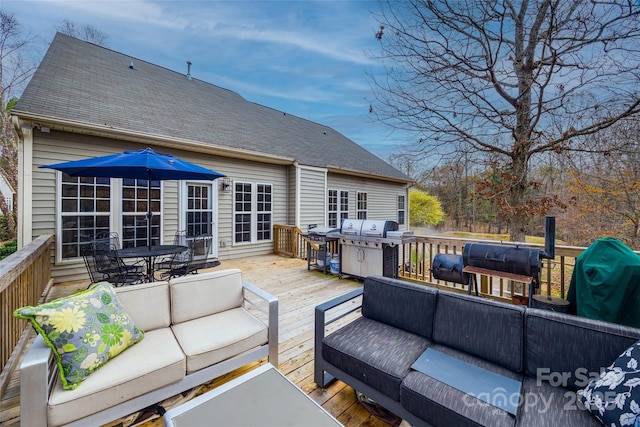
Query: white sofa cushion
[(211, 339), (147, 304), (153, 363), (199, 295)]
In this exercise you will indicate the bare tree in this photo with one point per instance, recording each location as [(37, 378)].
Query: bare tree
[(605, 189), (15, 71), (87, 33), (509, 78)]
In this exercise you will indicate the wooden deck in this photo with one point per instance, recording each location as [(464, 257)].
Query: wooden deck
[(299, 291)]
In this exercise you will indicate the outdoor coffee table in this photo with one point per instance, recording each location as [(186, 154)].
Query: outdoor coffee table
[(262, 397)]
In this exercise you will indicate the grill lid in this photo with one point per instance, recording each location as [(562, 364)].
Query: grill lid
[(368, 228), (373, 228), (351, 226), (322, 231)]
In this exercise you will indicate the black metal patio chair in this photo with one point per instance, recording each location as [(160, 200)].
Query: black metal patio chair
[(201, 249), (180, 238), (179, 264), (107, 265)]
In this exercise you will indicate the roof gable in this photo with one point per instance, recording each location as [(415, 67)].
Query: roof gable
[(84, 83)]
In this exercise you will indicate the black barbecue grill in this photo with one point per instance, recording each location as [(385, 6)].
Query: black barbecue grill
[(519, 263)]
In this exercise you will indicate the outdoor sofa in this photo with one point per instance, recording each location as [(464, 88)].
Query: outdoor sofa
[(196, 328), (552, 354)]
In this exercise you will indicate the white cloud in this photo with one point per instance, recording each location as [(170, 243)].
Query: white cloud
[(303, 57), (316, 43), (134, 11)]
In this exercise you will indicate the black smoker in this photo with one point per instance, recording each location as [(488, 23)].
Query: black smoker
[(491, 258)]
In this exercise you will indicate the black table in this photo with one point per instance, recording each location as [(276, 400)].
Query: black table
[(150, 253)]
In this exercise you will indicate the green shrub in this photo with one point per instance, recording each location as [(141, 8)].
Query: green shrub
[(8, 249), (4, 232)]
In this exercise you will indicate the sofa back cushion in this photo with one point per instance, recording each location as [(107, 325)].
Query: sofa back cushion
[(147, 304), (482, 327), (568, 350), (403, 305), (203, 294)]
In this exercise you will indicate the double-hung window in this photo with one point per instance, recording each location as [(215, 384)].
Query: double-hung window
[(85, 212), (337, 207), (252, 212), (402, 209), (199, 209), (135, 207), (361, 205)]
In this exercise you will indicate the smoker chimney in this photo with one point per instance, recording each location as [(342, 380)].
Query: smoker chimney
[(549, 237), (189, 70)]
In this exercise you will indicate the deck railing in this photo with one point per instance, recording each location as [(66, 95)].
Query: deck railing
[(416, 260), (288, 240), (555, 276), (25, 277)]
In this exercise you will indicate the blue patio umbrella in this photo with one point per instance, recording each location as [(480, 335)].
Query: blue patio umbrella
[(137, 164)]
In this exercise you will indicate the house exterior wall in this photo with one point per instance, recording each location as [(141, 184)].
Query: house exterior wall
[(312, 197), (292, 188), (381, 195), (56, 147)]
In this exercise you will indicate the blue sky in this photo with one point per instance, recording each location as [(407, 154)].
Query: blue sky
[(306, 58)]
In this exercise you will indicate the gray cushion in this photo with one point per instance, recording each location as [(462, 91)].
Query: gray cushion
[(404, 305), (379, 355), (443, 405), (581, 348), (546, 406), (481, 327)]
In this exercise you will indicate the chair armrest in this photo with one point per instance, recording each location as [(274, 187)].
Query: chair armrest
[(272, 315), (319, 375), (37, 375)]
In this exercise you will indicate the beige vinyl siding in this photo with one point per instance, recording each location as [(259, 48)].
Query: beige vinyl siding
[(292, 174), (256, 173), (312, 193), (382, 196), (56, 147)]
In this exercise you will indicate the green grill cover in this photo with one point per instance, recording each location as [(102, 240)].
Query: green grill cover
[(605, 284)]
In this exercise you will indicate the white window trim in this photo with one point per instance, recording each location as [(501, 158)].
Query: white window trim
[(254, 213), (116, 207), (338, 211), (115, 214), (365, 210), (404, 209), (59, 219), (182, 210)]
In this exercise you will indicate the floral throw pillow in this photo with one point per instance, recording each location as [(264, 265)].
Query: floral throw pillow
[(84, 330), (614, 398)]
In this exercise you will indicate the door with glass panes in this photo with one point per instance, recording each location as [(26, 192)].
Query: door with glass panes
[(200, 213)]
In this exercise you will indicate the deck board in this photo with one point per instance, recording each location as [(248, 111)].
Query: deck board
[(299, 291)]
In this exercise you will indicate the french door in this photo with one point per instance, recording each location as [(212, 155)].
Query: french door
[(200, 213)]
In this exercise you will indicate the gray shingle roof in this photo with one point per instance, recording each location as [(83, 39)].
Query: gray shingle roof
[(81, 82)]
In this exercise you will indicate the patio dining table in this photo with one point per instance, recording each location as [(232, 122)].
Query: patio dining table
[(150, 253)]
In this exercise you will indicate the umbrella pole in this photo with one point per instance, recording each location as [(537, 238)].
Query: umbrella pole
[(149, 212)]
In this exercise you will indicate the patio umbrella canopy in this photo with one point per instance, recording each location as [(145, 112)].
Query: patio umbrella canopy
[(137, 164)]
